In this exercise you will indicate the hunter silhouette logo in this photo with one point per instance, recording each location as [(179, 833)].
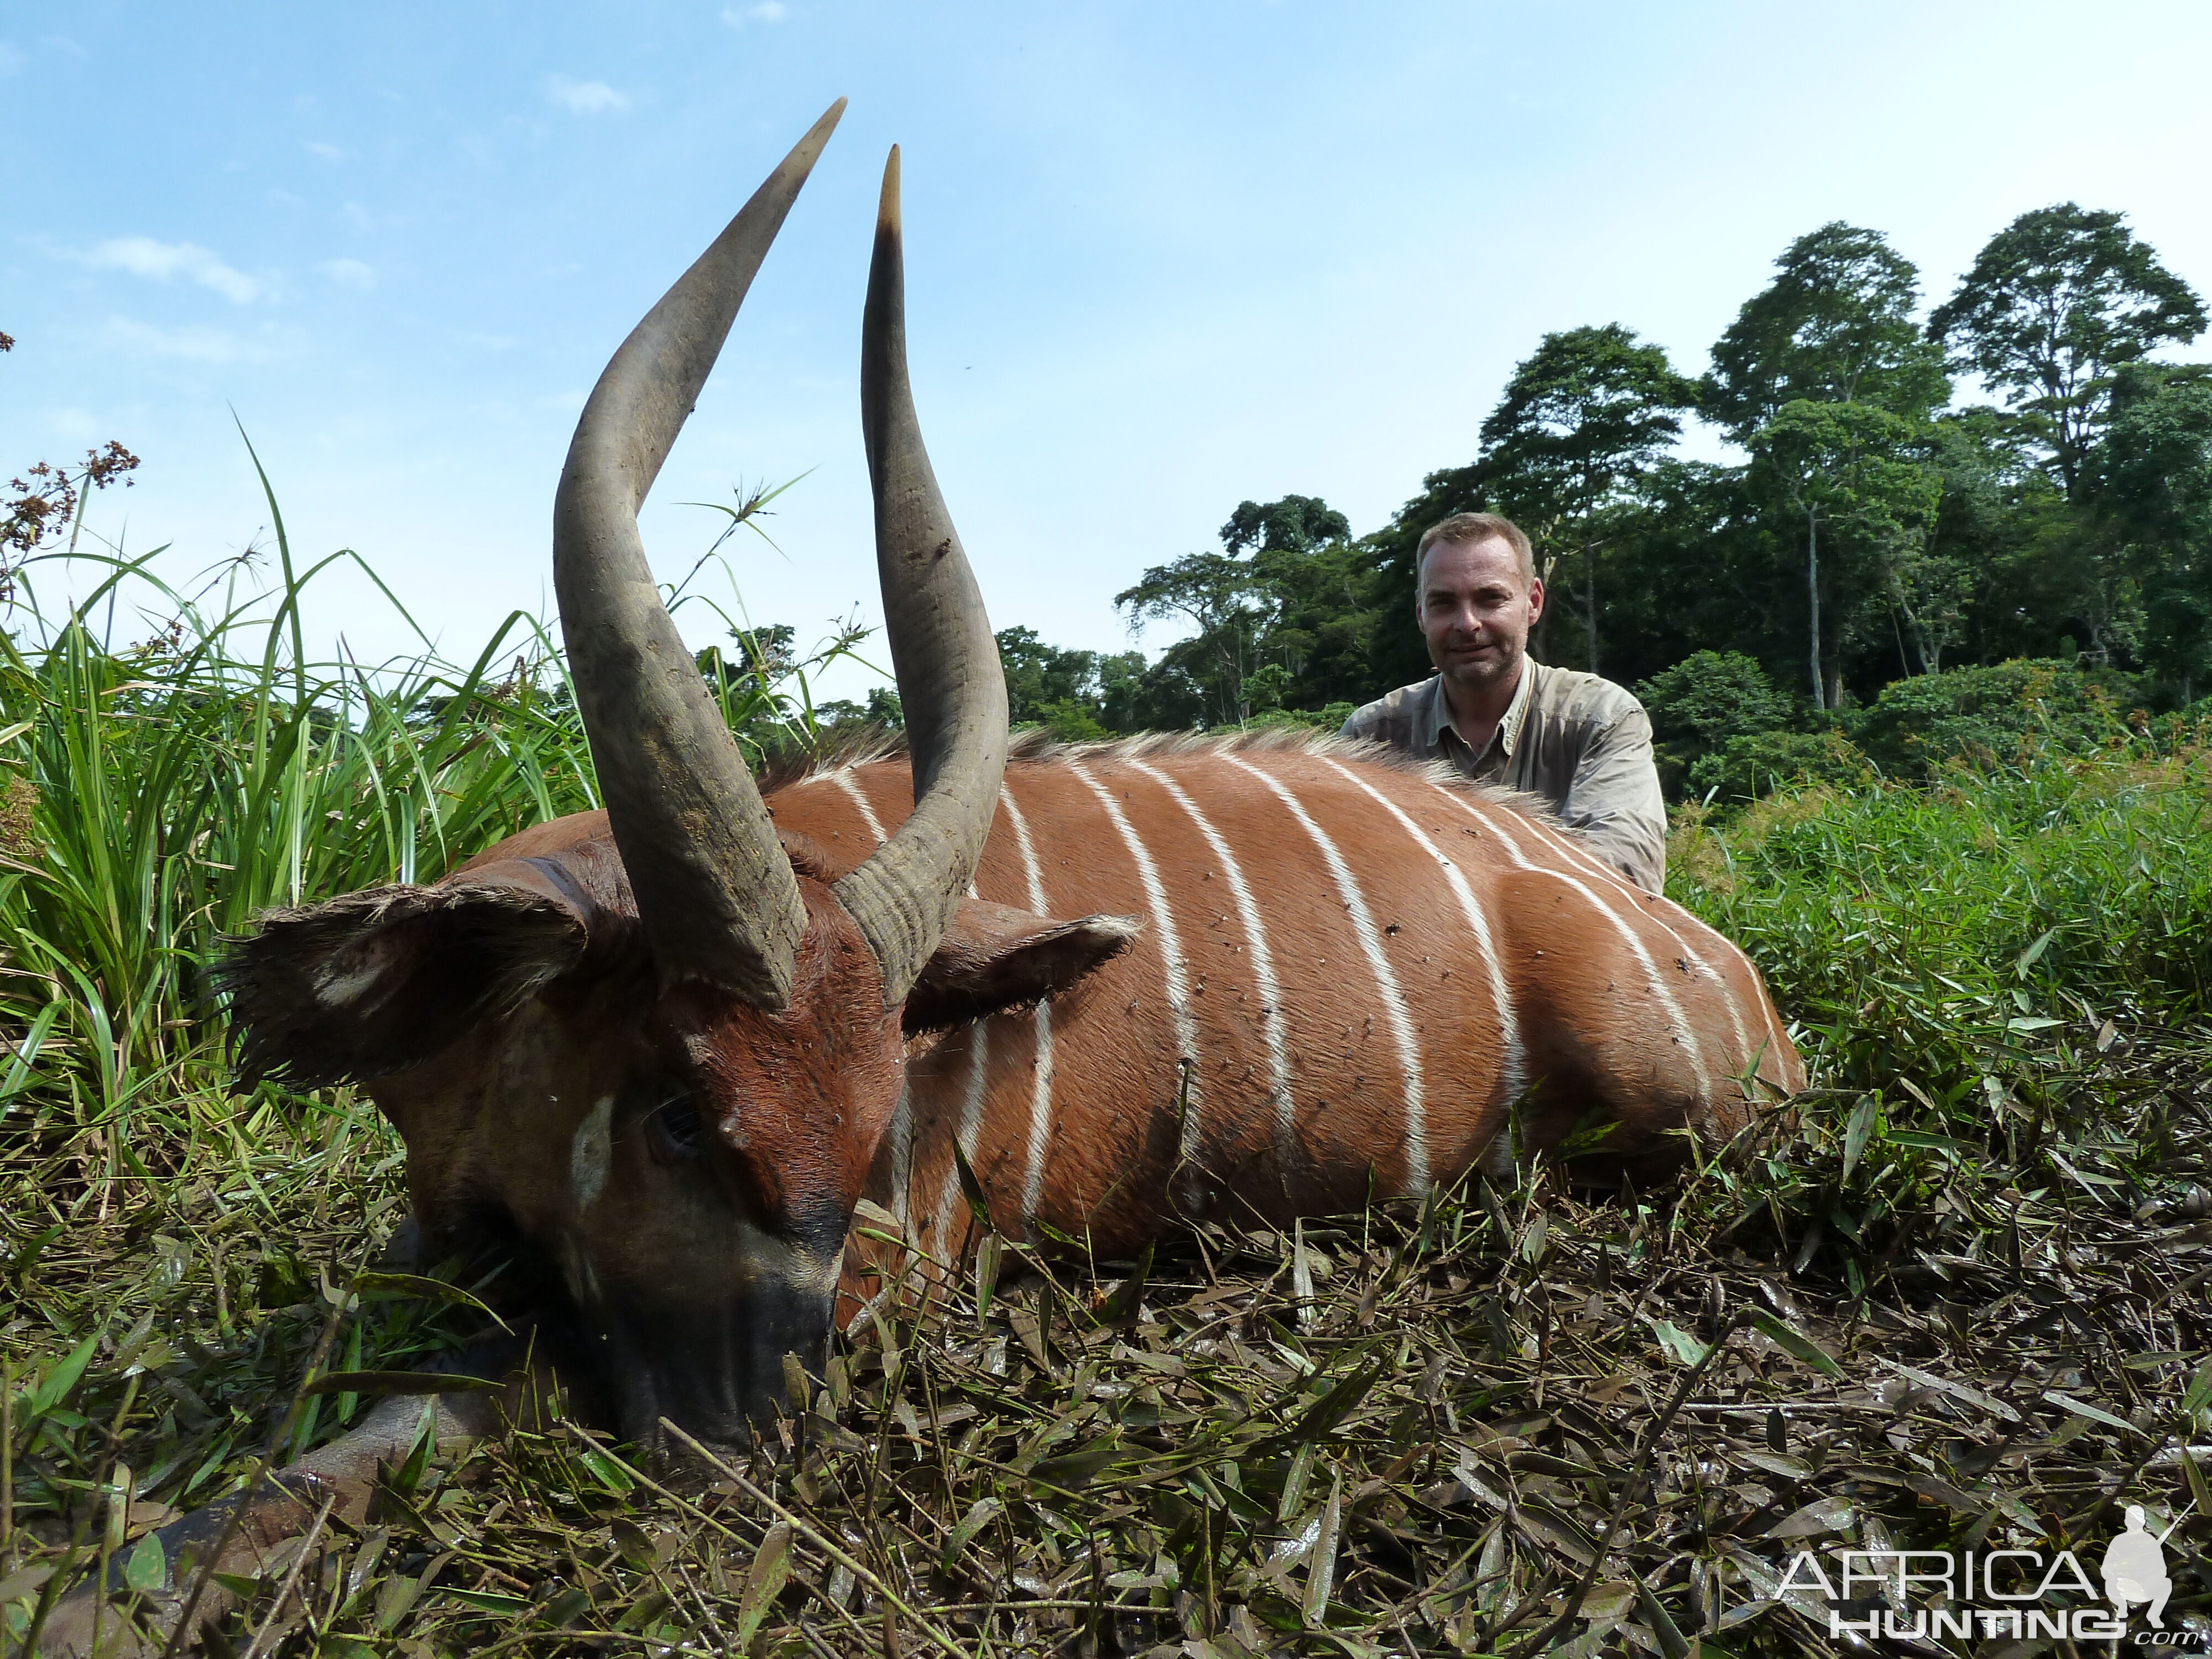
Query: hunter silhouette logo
[(2021, 1593), (2135, 1567)]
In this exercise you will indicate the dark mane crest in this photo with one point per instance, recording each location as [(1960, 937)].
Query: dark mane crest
[(1039, 746)]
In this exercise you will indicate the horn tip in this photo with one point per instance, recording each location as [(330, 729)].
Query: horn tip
[(808, 150), (887, 216), (818, 134)]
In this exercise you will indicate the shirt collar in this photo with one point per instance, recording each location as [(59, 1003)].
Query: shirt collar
[(1433, 719), (1516, 712)]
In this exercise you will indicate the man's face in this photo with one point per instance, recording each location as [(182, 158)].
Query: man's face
[(1476, 611)]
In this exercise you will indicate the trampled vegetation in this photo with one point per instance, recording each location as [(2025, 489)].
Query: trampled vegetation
[(1952, 1297)]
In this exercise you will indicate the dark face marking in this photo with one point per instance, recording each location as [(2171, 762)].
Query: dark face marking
[(673, 1130), (684, 1164)]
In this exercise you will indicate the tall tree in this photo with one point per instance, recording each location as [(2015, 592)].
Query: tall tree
[(2055, 302), (1041, 677), (1321, 623), (2153, 487), (2003, 531), (1290, 595), (1852, 470), (1835, 325), (1316, 584), (1296, 523), (1162, 696), (1582, 421), (1225, 600), (1695, 568)]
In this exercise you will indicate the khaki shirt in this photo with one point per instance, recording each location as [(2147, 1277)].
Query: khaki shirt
[(1581, 744)]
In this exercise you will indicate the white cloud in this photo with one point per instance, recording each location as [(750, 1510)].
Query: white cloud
[(194, 344), (349, 273), (328, 152), (142, 256), (10, 59), (584, 97)]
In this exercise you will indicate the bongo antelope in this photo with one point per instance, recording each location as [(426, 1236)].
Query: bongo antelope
[(667, 1047)]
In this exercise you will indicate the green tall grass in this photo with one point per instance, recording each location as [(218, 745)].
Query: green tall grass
[(168, 791), (1939, 932), (160, 794)]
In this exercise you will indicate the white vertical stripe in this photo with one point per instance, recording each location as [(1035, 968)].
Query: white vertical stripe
[(1039, 1115), (902, 1118), (1685, 1032), (950, 1200), (1657, 907), (1394, 999), (1178, 978), (1654, 907), (1509, 1023), (1263, 970), (902, 1157), (1574, 849), (843, 777), (1041, 1088), (1773, 1045)]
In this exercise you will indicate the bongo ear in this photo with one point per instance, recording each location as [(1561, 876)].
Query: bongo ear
[(993, 957)]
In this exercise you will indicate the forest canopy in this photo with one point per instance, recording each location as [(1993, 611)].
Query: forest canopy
[(2013, 477), (1945, 526)]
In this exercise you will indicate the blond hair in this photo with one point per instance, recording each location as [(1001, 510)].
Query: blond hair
[(1465, 529)]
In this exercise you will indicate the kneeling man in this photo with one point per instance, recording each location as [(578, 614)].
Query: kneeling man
[(1581, 744)]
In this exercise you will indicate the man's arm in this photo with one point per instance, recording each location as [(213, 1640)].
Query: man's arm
[(1615, 803), (1382, 721)]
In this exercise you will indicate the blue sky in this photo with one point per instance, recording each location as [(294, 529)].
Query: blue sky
[(1161, 257)]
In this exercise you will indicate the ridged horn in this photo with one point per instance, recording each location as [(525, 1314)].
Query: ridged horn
[(716, 894), (942, 651)]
